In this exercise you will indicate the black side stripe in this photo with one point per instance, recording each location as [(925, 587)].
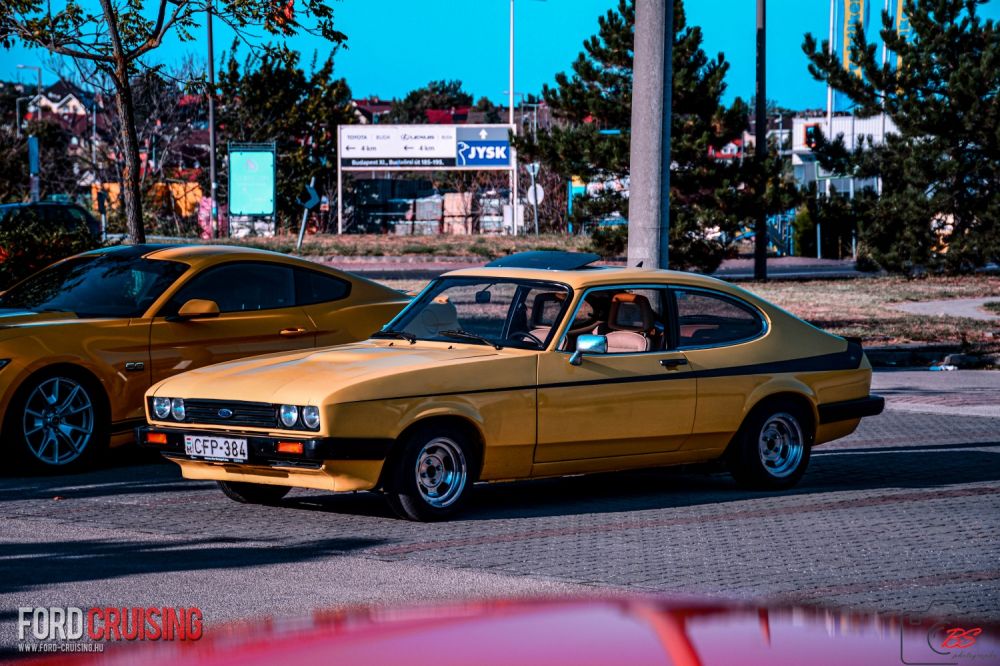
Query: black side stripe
[(849, 359)]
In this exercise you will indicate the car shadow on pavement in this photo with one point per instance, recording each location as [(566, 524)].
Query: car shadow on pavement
[(830, 471), (99, 483), (43, 564)]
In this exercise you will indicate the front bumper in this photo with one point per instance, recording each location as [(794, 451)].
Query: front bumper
[(833, 412), (262, 450)]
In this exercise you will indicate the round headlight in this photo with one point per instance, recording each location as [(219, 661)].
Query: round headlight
[(289, 415), (161, 407), (177, 408), (310, 417)]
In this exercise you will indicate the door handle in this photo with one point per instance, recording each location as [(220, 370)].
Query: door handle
[(673, 363), (293, 332)]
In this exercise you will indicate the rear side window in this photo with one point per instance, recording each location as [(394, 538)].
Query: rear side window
[(313, 287), (708, 319), (239, 287)]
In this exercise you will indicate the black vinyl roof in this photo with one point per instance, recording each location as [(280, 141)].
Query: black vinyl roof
[(546, 259)]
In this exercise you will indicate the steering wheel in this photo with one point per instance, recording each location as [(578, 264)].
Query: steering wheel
[(528, 336)]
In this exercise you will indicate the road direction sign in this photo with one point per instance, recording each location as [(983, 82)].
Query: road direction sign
[(535, 194), (310, 199)]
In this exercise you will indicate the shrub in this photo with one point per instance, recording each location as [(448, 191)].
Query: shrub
[(31, 245)]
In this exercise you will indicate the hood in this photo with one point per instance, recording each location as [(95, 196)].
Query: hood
[(311, 376)]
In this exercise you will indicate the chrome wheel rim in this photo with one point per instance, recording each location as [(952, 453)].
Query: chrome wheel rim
[(58, 421), (781, 445), (440, 472)]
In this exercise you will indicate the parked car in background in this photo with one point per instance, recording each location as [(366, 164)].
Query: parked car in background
[(62, 216), (537, 365), (82, 340)]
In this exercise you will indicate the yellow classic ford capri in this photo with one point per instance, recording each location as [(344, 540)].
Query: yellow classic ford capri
[(539, 364)]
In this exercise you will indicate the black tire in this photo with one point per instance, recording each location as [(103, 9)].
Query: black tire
[(57, 423), (432, 477), (771, 450), (253, 493)]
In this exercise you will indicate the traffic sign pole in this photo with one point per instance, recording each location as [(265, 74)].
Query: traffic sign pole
[(306, 205)]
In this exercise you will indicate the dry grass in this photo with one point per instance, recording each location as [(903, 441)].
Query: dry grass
[(372, 245), (863, 308)]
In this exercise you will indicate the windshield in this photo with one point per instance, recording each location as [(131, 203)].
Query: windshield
[(99, 285), (488, 311)]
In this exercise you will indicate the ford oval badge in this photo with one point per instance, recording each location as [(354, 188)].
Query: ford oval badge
[(225, 413)]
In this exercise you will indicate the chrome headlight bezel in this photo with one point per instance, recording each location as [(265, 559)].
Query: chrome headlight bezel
[(288, 415), (161, 408), (177, 409), (310, 417)]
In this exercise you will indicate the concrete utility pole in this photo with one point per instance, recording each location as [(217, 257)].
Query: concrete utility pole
[(760, 152), (649, 157)]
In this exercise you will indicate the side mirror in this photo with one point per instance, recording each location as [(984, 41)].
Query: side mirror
[(588, 344), (483, 297), (198, 308)]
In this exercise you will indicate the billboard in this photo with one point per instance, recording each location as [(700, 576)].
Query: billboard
[(251, 179), (424, 147)]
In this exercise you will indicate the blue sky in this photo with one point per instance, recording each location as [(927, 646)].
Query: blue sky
[(397, 45)]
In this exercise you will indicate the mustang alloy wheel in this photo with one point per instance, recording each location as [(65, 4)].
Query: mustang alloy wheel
[(431, 478), (57, 423), (771, 451)]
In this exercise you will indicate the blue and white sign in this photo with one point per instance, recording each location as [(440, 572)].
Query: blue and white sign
[(424, 147)]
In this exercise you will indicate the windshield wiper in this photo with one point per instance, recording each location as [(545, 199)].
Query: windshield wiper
[(402, 335), (455, 333)]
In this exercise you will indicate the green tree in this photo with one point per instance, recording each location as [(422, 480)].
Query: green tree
[(274, 99), (942, 172), (435, 95), (593, 106), (116, 39)]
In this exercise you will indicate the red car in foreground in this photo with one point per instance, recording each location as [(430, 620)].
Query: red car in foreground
[(611, 631)]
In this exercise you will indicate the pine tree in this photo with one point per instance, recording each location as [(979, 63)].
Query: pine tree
[(435, 95), (943, 170), (591, 139)]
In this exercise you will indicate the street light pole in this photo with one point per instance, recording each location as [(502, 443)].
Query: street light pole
[(649, 156), (760, 153), (213, 214), (510, 121)]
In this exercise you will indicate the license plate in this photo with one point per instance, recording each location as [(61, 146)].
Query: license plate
[(216, 448)]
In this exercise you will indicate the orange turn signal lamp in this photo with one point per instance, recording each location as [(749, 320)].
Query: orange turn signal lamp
[(156, 438), (297, 448)]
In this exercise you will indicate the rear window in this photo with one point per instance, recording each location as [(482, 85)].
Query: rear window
[(708, 319), (313, 287)]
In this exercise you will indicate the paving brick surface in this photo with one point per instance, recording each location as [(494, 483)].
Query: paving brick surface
[(902, 515)]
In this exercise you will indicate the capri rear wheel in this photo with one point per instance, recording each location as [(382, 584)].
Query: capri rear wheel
[(431, 478), (771, 451)]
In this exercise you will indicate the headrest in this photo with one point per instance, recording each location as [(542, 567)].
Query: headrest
[(631, 312), (546, 307)]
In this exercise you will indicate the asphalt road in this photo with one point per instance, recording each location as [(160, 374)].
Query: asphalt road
[(902, 516)]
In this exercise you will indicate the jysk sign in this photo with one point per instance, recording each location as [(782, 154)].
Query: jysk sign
[(424, 147), (251, 179)]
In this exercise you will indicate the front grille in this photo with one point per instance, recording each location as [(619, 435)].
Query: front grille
[(247, 414)]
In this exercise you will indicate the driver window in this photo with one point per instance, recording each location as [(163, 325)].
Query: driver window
[(633, 320), (240, 287)]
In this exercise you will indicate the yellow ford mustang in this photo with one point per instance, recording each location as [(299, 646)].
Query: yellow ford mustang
[(536, 365), (83, 340)]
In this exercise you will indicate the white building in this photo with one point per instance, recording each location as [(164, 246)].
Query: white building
[(808, 171)]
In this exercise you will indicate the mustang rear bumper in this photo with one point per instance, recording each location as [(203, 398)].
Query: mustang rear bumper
[(263, 449), (832, 412)]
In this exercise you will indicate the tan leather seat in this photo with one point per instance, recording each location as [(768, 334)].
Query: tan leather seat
[(632, 322)]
